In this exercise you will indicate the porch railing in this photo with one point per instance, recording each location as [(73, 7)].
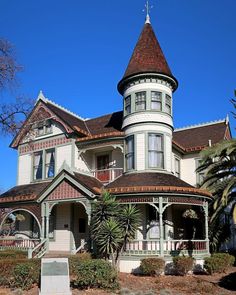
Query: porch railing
[(107, 175), (17, 243), (171, 247), (39, 250)]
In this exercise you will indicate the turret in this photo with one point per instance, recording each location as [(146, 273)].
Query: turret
[(147, 87)]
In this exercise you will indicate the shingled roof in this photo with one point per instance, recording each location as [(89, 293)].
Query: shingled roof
[(197, 137), (152, 182), (147, 57), (29, 192)]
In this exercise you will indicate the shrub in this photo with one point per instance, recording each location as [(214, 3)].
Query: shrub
[(183, 264), (12, 254), (75, 260), (19, 273), (218, 263), (96, 273), (152, 266)]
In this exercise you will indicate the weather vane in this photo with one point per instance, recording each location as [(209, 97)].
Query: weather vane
[(147, 9)]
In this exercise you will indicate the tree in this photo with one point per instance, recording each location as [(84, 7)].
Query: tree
[(219, 165), (12, 115), (112, 226)]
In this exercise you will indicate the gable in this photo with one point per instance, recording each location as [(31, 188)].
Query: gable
[(40, 113)]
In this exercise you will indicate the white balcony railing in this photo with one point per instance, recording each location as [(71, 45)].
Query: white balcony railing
[(107, 175), (171, 247)]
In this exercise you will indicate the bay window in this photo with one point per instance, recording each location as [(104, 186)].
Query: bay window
[(155, 151), (140, 101), (129, 152), (44, 164)]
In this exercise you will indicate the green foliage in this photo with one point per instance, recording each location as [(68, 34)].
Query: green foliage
[(218, 263), (19, 273), (183, 264), (96, 273), (112, 226), (74, 261), (11, 254), (152, 266)]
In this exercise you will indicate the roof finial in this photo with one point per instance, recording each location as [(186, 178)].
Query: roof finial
[(148, 8)]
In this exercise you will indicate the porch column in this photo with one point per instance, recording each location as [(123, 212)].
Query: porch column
[(42, 221), (47, 214), (161, 226), (205, 207)]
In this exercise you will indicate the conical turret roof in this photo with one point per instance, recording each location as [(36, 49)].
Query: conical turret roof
[(147, 56)]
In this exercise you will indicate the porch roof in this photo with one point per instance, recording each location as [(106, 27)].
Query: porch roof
[(152, 182), (25, 192)]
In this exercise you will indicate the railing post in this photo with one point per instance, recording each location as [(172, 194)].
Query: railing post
[(29, 253), (161, 227), (205, 207)]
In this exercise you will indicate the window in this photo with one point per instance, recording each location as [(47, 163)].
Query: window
[(128, 105), (129, 156), (38, 165), (177, 167), (43, 128), (199, 175), (44, 164), (168, 104), (50, 163), (156, 100), (140, 101), (155, 151)]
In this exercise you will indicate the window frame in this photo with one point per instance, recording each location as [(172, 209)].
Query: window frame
[(127, 105), (199, 175), (177, 173), (168, 105), (159, 99), (140, 100), (156, 151), (43, 155), (129, 154), (45, 127)]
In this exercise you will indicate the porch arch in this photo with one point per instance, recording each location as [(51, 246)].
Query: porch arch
[(21, 209)]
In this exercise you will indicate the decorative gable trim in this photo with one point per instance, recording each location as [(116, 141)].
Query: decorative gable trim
[(39, 113), (58, 186)]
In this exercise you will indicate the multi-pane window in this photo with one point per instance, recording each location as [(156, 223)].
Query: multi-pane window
[(50, 163), (38, 165), (129, 152), (200, 175), (140, 101), (155, 151), (44, 164), (44, 127), (128, 105), (156, 100), (177, 167), (168, 104)]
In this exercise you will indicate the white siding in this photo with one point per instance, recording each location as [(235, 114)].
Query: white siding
[(24, 169), (63, 154), (188, 167), (140, 151), (168, 153), (117, 158), (62, 234)]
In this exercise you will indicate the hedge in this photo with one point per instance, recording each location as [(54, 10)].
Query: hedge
[(13, 254)]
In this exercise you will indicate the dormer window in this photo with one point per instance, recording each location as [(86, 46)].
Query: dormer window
[(140, 101), (156, 100), (168, 104), (44, 164), (128, 105)]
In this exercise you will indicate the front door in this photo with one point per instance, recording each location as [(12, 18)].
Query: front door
[(103, 173)]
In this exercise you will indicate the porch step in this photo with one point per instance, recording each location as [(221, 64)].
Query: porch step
[(57, 254)]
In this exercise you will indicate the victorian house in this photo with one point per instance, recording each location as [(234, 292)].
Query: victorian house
[(65, 162)]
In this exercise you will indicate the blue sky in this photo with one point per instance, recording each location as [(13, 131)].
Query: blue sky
[(77, 51)]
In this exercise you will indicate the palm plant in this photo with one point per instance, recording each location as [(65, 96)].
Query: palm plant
[(112, 226), (219, 164)]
